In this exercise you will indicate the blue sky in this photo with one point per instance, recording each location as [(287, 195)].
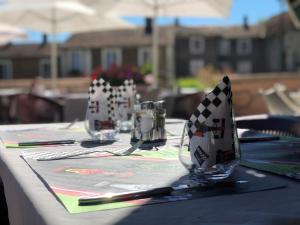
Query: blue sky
[(256, 10)]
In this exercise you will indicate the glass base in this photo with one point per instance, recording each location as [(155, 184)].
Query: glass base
[(103, 135), (125, 126), (216, 173), (148, 145)]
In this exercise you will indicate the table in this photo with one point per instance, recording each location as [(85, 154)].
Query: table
[(29, 202), (5, 95), (74, 105)]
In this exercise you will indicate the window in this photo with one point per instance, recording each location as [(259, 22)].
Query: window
[(197, 45), (224, 47), (244, 67), (76, 61), (144, 56), (226, 66), (45, 68), (289, 60), (111, 56), (244, 46), (196, 65), (5, 69)]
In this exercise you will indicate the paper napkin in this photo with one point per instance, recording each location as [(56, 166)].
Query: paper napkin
[(125, 99), (101, 106), (211, 128)]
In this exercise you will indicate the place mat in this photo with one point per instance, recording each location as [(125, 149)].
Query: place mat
[(11, 138), (279, 157), (98, 173)]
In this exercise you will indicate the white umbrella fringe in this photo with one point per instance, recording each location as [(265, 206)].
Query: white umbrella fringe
[(35, 12), (9, 32)]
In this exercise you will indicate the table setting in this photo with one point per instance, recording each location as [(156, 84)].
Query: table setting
[(127, 154)]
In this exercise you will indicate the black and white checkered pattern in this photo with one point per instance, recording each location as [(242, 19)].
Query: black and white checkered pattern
[(111, 104), (210, 103), (100, 85), (119, 93), (125, 99), (113, 95), (128, 85)]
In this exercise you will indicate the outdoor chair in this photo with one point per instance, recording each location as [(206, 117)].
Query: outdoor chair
[(275, 103), (271, 124), (295, 95), (284, 94), (183, 106), (30, 108)]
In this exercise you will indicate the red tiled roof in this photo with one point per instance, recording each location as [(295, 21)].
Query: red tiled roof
[(279, 24), (25, 50), (226, 31), (124, 37), (137, 37)]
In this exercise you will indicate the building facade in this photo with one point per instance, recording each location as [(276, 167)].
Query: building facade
[(233, 49), (272, 46), (25, 61)]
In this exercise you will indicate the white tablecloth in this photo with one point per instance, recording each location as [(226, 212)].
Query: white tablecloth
[(30, 203)]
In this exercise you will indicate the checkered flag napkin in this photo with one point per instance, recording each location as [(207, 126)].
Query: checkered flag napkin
[(211, 128), (125, 99), (101, 105)]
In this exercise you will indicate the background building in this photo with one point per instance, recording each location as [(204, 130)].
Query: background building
[(271, 46)]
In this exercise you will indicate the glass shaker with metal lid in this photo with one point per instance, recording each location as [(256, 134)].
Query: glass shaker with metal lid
[(159, 132), (143, 121), (148, 122)]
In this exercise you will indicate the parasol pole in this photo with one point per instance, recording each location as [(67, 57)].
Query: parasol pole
[(53, 51), (155, 45)]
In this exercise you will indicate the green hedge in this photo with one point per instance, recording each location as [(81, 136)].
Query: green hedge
[(190, 83)]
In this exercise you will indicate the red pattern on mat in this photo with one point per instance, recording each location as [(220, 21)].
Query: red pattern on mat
[(84, 171), (71, 192)]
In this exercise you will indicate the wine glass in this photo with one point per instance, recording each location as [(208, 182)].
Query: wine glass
[(202, 157)]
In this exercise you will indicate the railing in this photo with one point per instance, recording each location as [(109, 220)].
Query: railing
[(246, 98), (245, 88), (70, 84)]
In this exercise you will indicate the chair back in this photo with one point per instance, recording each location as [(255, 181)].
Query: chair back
[(271, 124), (184, 105), (275, 104), (30, 108)]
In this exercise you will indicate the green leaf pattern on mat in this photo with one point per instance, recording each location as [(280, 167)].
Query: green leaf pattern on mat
[(71, 203)]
